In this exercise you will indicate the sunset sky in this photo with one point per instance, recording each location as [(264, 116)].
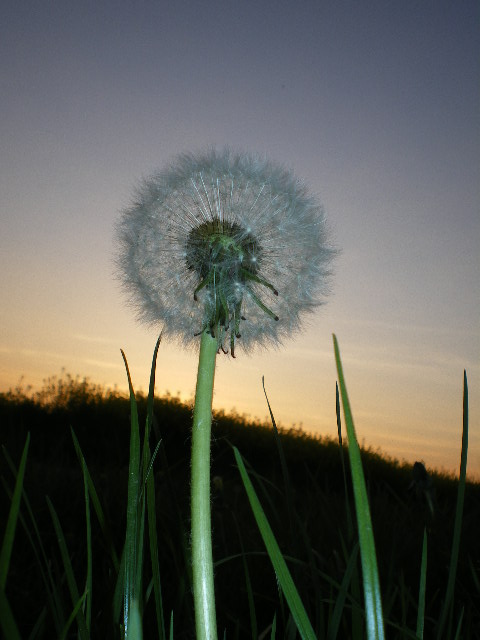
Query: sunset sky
[(374, 104)]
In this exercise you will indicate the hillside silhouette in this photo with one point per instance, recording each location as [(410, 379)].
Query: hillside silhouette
[(316, 534)]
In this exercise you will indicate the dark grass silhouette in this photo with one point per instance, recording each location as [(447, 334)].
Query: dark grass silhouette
[(317, 543)]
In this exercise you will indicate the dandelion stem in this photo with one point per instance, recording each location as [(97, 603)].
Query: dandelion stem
[(202, 563)]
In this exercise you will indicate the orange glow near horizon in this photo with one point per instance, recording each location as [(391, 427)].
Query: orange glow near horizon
[(392, 414)]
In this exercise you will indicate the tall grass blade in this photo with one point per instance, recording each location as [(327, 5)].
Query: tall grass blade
[(7, 621), (459, 625), (371, 581), (422, 589), (72, 616), (171, 626), (281, 570), (298, 536), (135, 622), (342, 460), (355, 595), (9, 535), (248, 583), (152, 534), (107, 534), (148, 481), (67, 565), (38, 629), (357, 612), (151, 388), (448, 604), (33, 534), (131, 548), (140, 554), (149, 466), (117, 601), (274, 628), (89, 580), (336, 618), (283, 463)]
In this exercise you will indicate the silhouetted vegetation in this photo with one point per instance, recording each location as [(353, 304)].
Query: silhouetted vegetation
[(317, 540)]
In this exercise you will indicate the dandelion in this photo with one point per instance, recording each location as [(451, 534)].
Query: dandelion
[(232, 248), (227, 242)]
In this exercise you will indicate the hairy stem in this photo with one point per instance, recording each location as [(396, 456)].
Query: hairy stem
[(202, 563)]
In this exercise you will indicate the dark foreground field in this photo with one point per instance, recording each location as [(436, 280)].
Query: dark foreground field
[(309, 511)]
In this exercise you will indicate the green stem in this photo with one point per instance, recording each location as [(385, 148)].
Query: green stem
[(202, 563)]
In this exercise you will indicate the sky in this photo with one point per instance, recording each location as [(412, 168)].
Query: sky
[(374, 104)]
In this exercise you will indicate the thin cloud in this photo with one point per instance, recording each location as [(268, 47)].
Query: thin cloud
[(102, 364), (92, 339)]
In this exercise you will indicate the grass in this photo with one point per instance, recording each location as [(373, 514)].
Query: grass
[(113, 483)]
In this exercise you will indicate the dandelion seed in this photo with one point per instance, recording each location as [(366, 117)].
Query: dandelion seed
[(225, 242)]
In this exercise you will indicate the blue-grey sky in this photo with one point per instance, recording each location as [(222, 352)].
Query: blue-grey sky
[(374, 104)]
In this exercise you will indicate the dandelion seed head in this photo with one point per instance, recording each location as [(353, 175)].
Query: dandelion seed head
[(228, 242)]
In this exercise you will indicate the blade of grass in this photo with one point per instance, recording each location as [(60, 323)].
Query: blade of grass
[(459, 625), (371, 581), (151, 510), (336, 618), (357, 613), (267, 487), (89, 581), (135, 622), (281, 570), (96, 505), (9, 535), (71, 582), (151, 393), (286, 477), (152, 535), (355, 595), (140, 553), (274, 628), (149, 467), (448, 604), (129, 593), (250, 597), (7, 621), (171, 626), (422, 589), (117, 603), (181, 535), (38, 629), (342, 459), (72, 616), (298, 536), (33, 534)]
